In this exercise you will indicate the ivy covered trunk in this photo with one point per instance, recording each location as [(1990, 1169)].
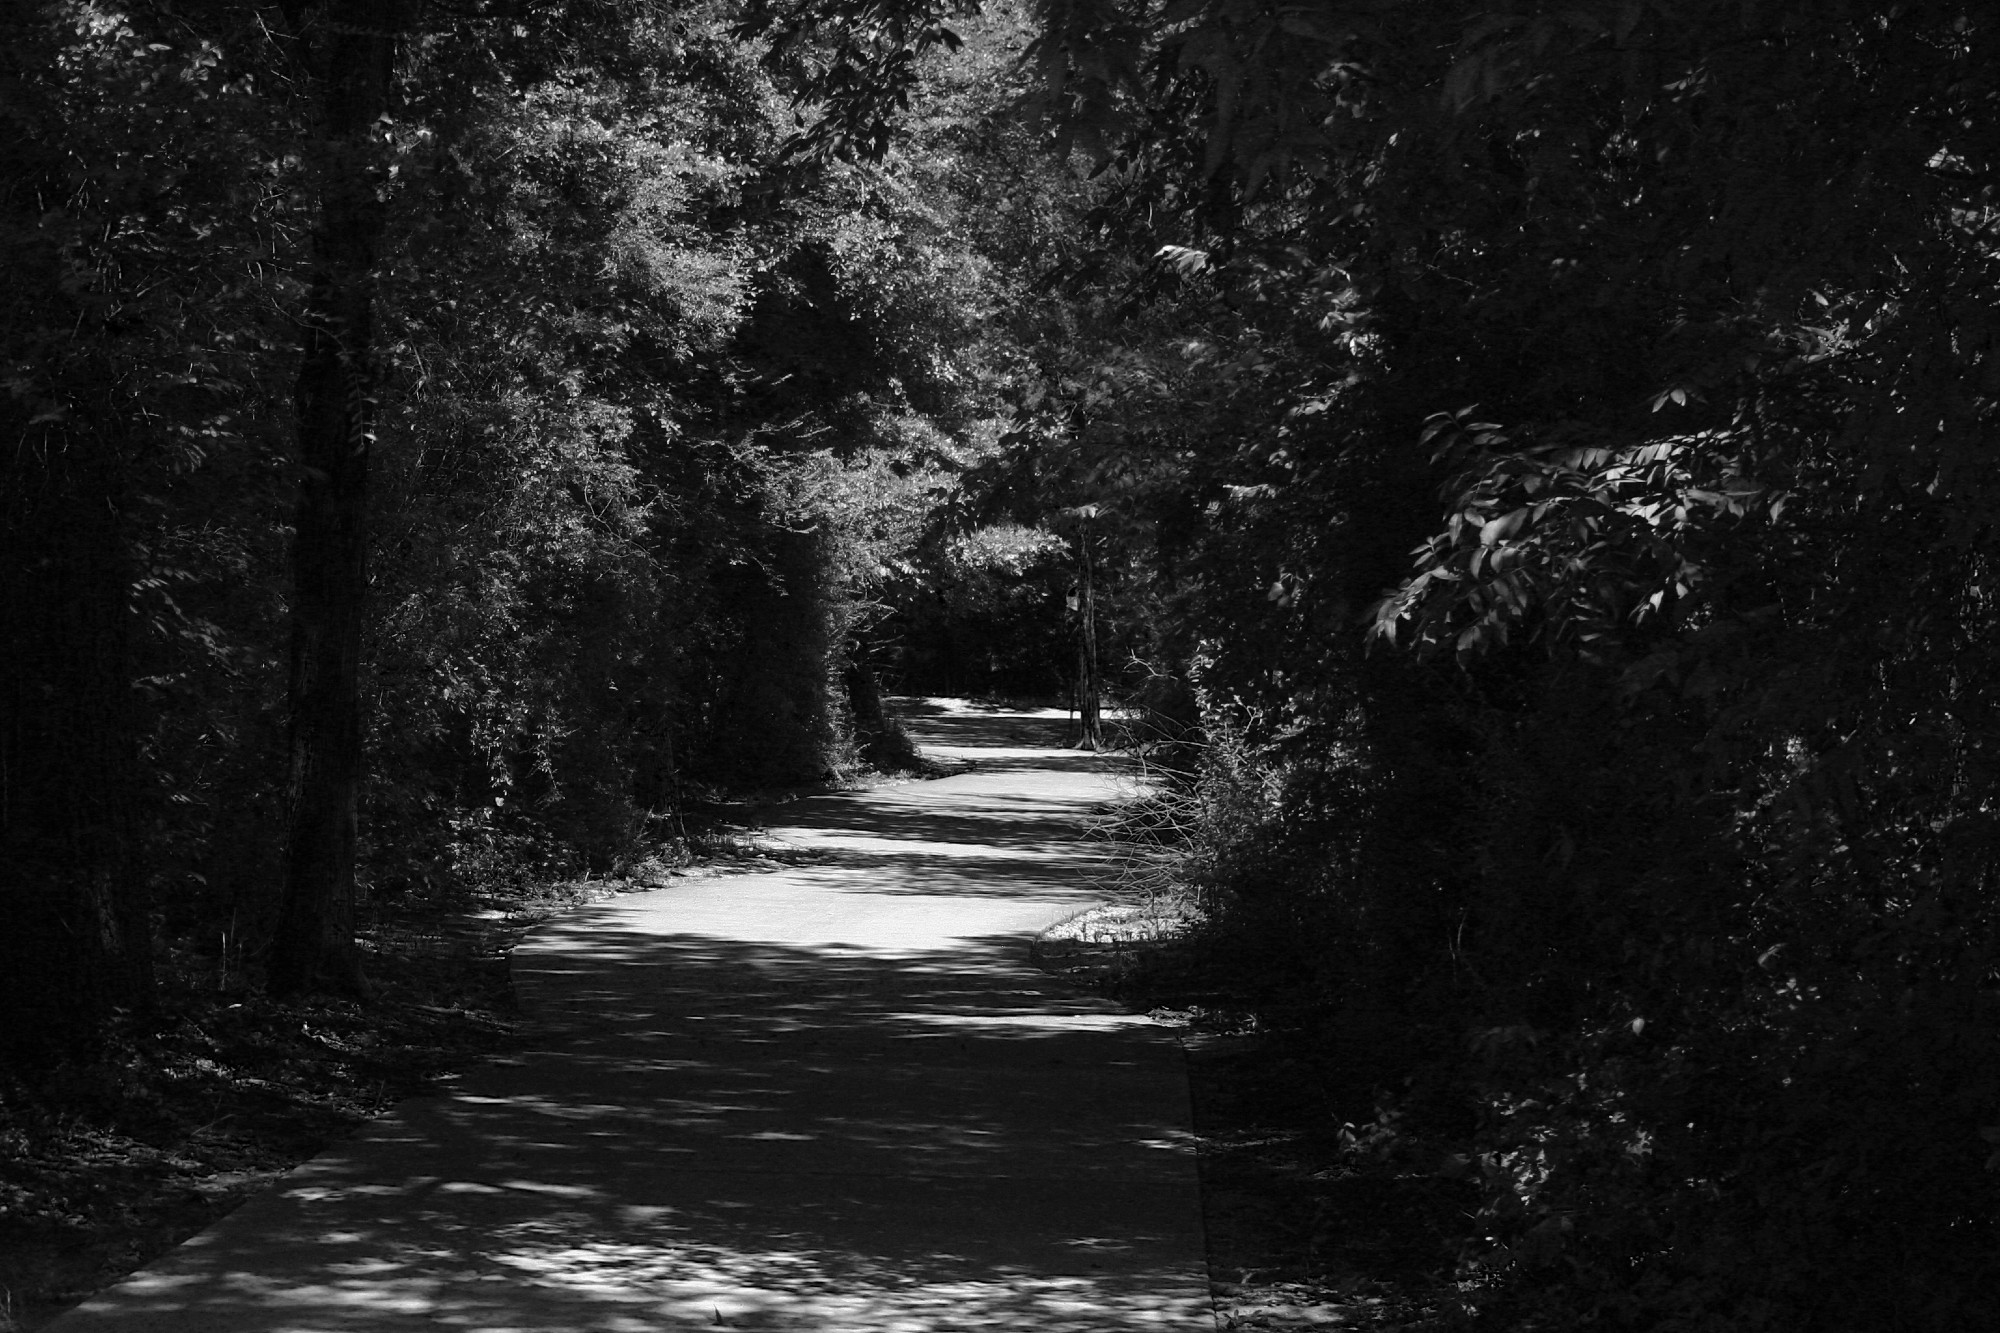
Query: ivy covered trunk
[(313, 947)]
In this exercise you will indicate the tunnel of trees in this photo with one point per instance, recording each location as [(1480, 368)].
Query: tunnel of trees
[(1528, 472)]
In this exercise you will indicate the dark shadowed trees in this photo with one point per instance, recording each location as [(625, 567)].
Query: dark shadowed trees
[(1656, 821), (349, 49)]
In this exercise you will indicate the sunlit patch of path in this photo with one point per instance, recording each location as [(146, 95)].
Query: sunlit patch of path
[(837, 1097)]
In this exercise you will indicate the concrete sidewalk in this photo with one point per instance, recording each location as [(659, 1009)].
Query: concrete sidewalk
[(837, 1097)]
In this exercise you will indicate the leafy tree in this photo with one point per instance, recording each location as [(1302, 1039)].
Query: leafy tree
[(607, 386), (1691, 302), (140, 300)]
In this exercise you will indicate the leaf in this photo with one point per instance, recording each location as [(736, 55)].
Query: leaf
[(1437, 424), (1503, 527), (1184, 260)]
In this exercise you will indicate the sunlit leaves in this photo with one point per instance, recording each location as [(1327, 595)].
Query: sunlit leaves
[(851, 65), (1588, 546)]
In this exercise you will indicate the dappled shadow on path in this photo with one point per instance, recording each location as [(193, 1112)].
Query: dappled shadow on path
[(1007, 845), (720, 1133), (995, 737), (837, 1097)]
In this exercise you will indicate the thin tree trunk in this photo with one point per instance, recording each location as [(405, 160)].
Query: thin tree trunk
[(864, 693), (313, 947), (1090, 727)]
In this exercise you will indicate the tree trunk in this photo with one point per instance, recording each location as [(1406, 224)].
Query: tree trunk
[(74, 931), (884, 744), (1090, 726), (313, 947), (864, 693)]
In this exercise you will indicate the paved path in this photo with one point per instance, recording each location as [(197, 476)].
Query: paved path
[(832, 1098)]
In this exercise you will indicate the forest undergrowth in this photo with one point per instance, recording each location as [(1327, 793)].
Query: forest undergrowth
[(1322, 1204), (1319, 1208), (185, 1112), (188, 1110)]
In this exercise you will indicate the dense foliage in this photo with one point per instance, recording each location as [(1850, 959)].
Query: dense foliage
[(641, 407), (1644, 829), (1530, 467)]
